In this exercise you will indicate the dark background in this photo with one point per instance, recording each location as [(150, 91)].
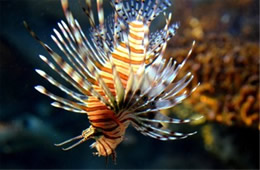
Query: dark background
[(29, 126)]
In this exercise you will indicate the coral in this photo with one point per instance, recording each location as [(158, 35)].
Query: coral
[(225, 60), (227, 69)]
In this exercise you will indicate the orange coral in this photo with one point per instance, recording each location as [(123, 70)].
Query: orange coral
[(227, 69)]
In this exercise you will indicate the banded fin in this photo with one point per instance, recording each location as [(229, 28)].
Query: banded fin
[(144, 11), (64, 107), (156, 134), (157, 117), (89, 13), (163, 90), (69, 92), (72, 74), (67, 103), (166, 131), (78, 61), (65, 77)]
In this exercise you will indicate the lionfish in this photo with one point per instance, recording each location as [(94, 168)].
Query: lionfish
[(118, 72)]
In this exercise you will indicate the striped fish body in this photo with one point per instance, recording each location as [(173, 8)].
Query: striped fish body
[(119, 73)]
